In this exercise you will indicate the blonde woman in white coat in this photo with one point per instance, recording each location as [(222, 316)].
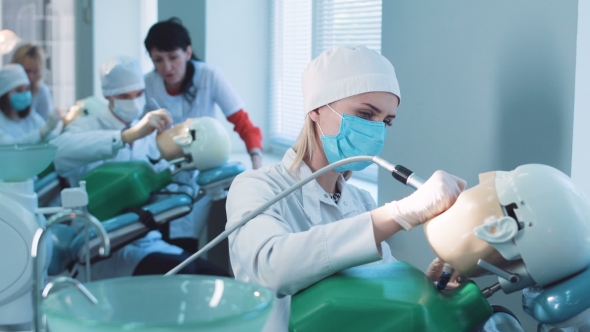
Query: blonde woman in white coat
[(350, 96)]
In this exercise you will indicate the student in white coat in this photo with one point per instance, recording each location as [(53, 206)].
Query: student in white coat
[(350, 96), (19, 123), (118, 134)]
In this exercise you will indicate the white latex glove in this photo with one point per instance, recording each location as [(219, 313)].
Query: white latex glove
[(431, 199), (53, 119), (155, 120)]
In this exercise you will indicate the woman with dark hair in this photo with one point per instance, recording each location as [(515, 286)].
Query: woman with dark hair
[(190, 88), (19, 124)]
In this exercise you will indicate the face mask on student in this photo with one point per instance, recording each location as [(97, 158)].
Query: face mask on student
[(129, 109), (19, 101), (357, 137)]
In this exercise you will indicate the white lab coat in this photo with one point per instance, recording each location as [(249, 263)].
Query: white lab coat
[(42, 102), (85, 144), (301, 239), (23, 131), (212, 89)]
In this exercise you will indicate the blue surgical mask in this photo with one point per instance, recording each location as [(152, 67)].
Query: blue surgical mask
[(357, 137), (19, 101)]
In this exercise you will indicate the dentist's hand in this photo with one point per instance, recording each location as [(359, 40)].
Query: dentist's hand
[(155, 120), (433, 198)]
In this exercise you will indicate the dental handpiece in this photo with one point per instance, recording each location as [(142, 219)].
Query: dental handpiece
[(400, 173)]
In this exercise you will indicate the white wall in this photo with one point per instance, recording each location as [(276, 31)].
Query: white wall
[(192, 15), (148, 16), (84, 46), (237, 42), (117, 31), (485, 86), (581, 136)]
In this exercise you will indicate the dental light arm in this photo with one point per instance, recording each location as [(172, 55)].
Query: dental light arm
[(400, 173)]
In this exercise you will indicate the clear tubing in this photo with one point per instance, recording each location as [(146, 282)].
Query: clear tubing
[(262, 208)]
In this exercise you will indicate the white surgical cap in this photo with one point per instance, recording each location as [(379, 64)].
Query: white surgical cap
[(11, 76), (121, 75), (342, 72)]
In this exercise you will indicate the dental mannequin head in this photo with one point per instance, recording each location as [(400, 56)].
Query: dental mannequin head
[(533, 214), (349, 94), (202, 141), (123, 86), (451, 234), (87, 106)]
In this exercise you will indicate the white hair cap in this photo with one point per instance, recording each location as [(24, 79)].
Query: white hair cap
[(11, 76), (121, 75), (342, 72)]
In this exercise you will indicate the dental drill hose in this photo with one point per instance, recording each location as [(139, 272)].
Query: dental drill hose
[(400, 173)]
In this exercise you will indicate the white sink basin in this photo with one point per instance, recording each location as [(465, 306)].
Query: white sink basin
[(25, 161), (158, 303)]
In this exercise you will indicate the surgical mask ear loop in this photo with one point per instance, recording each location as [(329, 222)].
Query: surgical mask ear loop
[(330, 107), (321, 129), (341, 117)]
